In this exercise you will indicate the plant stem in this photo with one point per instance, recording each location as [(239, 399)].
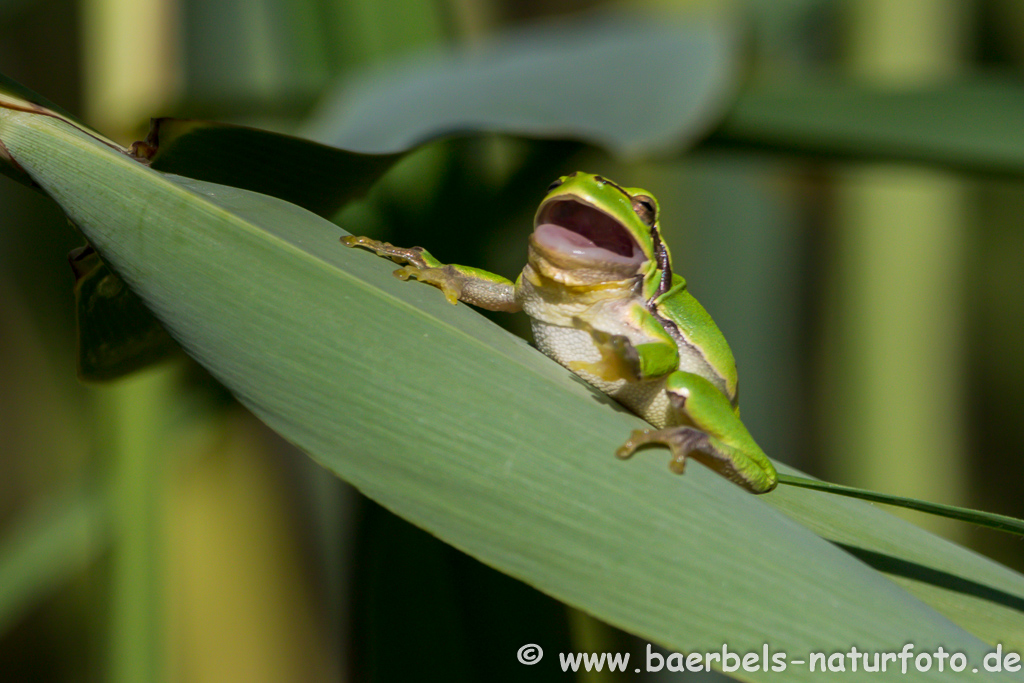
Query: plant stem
[(987, 519)]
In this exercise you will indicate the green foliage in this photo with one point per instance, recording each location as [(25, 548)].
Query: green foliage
[(458, 426), (316, 177), (971, 125), (630, 83), (493, 470)]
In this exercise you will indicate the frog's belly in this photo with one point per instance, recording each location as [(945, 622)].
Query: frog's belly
[(647, 399)]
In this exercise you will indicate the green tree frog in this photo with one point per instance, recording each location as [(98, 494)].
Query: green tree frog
[(599, 289)]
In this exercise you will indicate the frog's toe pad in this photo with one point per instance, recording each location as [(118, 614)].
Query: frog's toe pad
[(627, 449), (405, 273)]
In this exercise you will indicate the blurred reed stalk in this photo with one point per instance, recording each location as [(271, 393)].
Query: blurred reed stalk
[(897, 404)]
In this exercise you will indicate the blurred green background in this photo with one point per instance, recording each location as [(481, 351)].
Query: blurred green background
[(876, 310)]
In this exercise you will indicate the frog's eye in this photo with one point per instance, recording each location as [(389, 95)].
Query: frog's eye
[(555, 184), (645, 209)]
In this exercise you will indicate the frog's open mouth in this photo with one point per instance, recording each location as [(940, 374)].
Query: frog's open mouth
[(569, 227)]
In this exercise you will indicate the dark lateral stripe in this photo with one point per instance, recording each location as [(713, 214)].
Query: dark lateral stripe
[(614, 184), (675, 333), (664, 265)]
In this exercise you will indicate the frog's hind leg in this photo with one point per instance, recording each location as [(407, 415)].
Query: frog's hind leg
[(714, 435), (686, 442)]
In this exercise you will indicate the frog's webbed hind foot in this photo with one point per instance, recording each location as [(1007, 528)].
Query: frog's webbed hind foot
[(708, 430), (680, 440), (685, 441)]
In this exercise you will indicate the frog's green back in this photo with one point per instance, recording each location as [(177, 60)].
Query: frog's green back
[(696, 325)]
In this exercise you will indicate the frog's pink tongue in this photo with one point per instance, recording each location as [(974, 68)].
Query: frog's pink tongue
[(556, 238)]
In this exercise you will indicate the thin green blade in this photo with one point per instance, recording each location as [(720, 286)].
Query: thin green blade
[(985, 519), (981, 595)]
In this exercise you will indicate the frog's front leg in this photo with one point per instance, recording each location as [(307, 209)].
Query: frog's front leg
[(714, 435), (621, 359), (458, 283)]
